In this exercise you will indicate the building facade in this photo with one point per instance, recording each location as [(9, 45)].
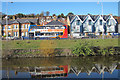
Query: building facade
[(17, 27), (83, 25)]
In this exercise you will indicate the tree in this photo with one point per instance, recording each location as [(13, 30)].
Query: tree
[(32, 15), (70, 13), (47, 13), (42, 14), (54, 15), (37, 15), (62, 15), (59, 16), (20, 15)]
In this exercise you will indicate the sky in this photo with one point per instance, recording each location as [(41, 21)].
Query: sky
[(78, 8)]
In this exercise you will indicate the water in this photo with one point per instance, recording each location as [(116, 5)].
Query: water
[(62, 67)]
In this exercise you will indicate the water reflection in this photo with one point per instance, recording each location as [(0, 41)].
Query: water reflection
[(53, 68)]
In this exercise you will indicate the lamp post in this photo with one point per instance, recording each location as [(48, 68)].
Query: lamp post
[(7, 20), (102, 17)]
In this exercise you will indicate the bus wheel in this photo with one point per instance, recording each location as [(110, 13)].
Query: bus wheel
[(58, 38), (37, 38)]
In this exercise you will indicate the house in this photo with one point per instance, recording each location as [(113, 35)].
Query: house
[(76, 26), (83, 25), (110, 24), (88, 24), (99, 25), (17, 27)]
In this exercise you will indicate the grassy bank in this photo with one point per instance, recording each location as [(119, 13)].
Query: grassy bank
[(37, 44)]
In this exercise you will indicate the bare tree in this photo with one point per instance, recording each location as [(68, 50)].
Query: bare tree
[(42, 14)]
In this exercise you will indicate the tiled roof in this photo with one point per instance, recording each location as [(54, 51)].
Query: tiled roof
[(16, 21), (94, 17), (55, 23), (20, 21), (3, 22)]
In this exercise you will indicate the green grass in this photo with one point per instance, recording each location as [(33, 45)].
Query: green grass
[(37, 44)]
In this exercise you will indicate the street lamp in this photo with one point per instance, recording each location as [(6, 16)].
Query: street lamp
[(7, 20), (102, 17)]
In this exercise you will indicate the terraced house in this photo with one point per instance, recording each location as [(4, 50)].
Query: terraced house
[(17, 27), (83, 25)]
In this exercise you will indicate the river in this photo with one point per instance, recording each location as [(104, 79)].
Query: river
[(62, 67)]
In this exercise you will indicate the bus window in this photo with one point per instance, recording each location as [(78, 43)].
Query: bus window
[(61, 33)]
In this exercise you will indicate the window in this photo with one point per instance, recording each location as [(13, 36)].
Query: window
[(4, 34), (62, 27), (25, 33), (90, 22), (77, 28), (22, 26), (3, 27), (73, 27), (9, 27), (14, 26), (28, 26), (52, 27), (22, 34), (9, 33), (112, 21), (100, 22), (78, 22), (14, 33), (25, 26)]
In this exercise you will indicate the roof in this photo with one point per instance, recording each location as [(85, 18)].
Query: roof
[(82, 17), (3, 22), (71, 17), (20, 21), (55, 23), (94, 17)]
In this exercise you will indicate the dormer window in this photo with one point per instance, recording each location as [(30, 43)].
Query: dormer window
[(90, 22), (78, 22), (100, 22)]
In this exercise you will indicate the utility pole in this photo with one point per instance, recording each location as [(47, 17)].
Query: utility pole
[(7, 20), (103, 25), (102, 17)]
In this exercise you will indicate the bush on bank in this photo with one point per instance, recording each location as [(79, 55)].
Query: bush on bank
[(86, 49)]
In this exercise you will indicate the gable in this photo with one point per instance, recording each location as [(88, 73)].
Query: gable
[(76, 18), (111, 17), (88, 18), (99, 18)]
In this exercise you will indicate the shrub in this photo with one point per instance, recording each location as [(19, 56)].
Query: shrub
[(83, 49)]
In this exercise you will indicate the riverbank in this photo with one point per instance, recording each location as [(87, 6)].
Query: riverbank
[(59, 48)]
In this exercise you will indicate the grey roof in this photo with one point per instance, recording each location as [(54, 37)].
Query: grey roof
[(94, 17), (55, 23), (3, 22), (82, 17), (16, 21), (71, 17), (27, 20), (20, 21)]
